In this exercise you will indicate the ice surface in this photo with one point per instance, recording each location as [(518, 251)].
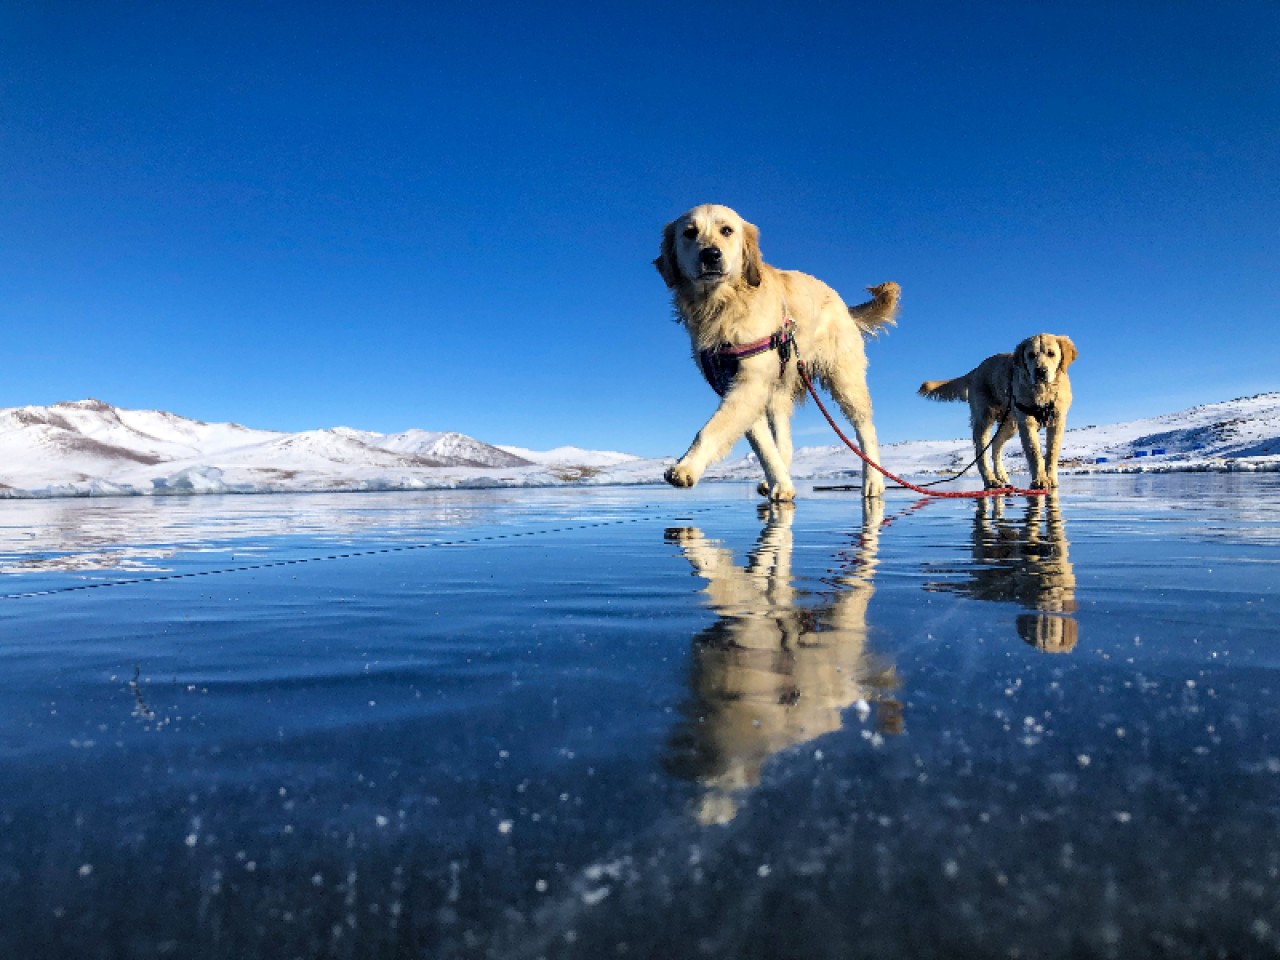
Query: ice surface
[(644, 722)]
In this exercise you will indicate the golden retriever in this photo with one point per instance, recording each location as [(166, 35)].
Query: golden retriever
[(1024, 390), (730, 300)]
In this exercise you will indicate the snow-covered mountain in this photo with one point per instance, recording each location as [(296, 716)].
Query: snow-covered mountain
[(90, 448), (438, 449)]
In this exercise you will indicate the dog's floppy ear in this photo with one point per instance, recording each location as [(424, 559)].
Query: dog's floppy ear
[(1020, 354), (666, 260), (751, 261), (1069, 351)]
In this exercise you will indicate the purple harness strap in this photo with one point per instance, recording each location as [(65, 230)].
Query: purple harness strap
[(720, 364)]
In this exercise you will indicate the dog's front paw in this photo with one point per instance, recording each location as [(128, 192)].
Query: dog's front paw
[(872, 485), (781, 492), (1040, 483), (762, 488), (680, 476)]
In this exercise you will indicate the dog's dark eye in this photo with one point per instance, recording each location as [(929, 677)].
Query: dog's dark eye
[(690, 232), (726, 231)]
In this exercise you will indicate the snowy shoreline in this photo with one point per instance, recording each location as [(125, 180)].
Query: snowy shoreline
[(215, 487), (88, 448)]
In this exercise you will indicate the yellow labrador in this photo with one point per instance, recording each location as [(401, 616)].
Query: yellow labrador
[(747, 321), (1024, 390)]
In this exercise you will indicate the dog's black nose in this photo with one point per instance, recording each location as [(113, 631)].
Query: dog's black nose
[(710, 257)]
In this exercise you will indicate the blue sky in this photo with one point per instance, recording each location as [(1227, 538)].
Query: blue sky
[(443, 215)]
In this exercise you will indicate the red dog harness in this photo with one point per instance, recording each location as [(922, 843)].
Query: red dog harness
[(720, 364)]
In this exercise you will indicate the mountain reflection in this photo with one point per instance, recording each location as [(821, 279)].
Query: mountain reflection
[(153, 534), (771, 672), (1023, 561)]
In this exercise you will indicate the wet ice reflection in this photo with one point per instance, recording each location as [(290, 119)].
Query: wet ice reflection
[(1020, 555), (158, 534), (780, 665)]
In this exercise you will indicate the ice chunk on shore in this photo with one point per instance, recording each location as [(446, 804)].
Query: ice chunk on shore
[(201, 479)]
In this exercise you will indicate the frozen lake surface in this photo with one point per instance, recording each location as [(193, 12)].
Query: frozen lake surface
[(642, 722)]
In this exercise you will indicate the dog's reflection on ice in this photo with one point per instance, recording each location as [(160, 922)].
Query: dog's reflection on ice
[(773, 671), (1026, 563)]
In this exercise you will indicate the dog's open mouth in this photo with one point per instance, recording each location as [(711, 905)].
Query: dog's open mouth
[(710, 276)]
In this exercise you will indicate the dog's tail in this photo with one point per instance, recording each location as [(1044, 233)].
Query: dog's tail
[(880, 312), (957, 389)]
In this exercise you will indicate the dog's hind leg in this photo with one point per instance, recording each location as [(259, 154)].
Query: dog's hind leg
[(852, 396)]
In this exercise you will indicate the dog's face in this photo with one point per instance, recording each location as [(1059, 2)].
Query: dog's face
[(708, 246), (1045, 357)]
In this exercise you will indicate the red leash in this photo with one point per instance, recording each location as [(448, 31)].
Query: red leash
[(956, 494)]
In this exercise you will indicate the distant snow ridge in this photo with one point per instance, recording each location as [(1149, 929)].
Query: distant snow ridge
[(90, 448), (453, 448), (1237, 429), (572, 456)]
